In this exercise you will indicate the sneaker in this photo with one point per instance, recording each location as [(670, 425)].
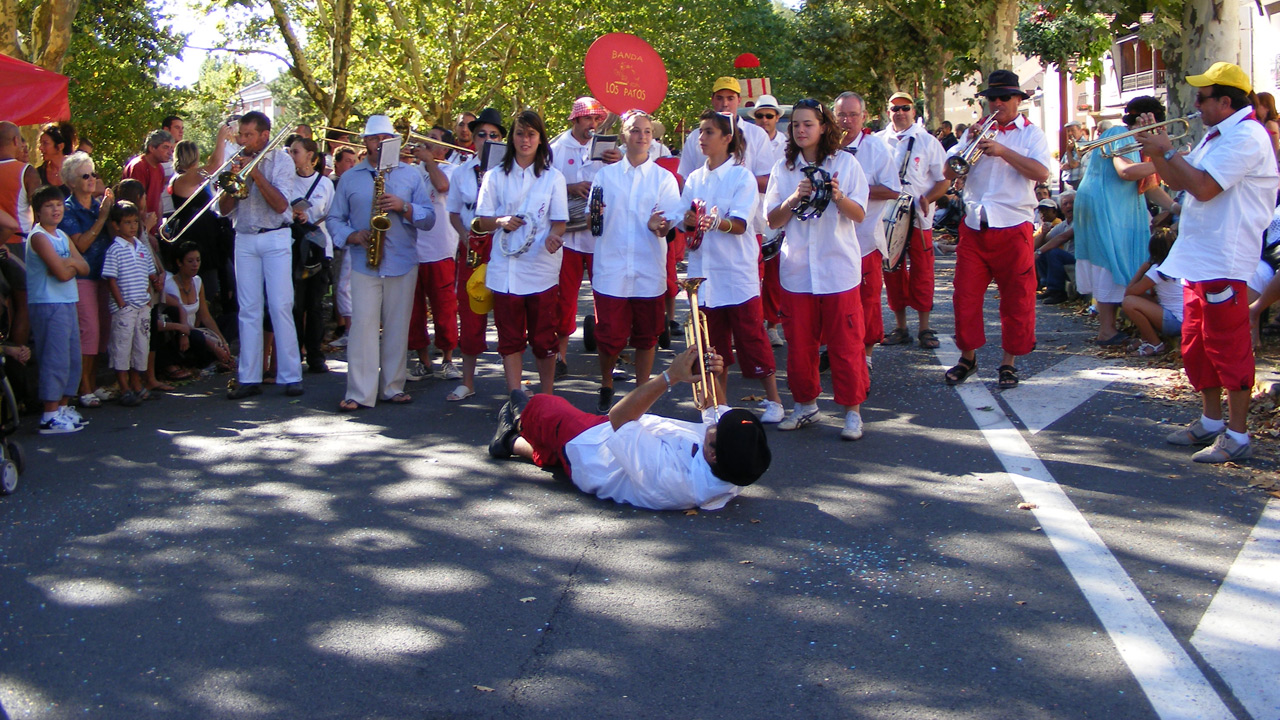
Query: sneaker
[(773, 412), (675, 328), (1146, 349), (104, 394), (294, 389), (605, 401), (450, 372), (505, 435), (418, 371), (339, 342), (74, 415), (562, 368), (239, 392), (1224, 449), (824, 362), (1193, 434), (131, 399), (519, 401), (90, 400), (1054, 298), (775, 337), (800, 417), (59, 424), (852, 426)]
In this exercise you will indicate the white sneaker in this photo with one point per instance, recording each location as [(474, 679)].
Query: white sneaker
[(72, 414), (800, 417), (59, 424), (852, 426), (1224, 449), (339, 343), (418, 371), (772, 412), (775, 337), (450, 372)]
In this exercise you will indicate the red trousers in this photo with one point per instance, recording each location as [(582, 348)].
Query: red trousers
[(675, 253), (1217, 350), (637, 320), (548, 423), (435, 289), (771, 291), (911, 285), (742, 327), (1004, 255), (836, 321), (571, 268), (526, 321), (869, 296)]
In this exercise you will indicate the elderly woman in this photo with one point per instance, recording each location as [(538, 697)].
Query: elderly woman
[(85, 222), (57, 142)]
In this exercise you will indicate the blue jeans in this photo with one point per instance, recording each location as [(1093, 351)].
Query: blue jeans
[(1051, 268)]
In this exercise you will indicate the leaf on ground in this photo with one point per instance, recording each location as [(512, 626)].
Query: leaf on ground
[(988, 408), (746, 562), (754, 521), (1027, 506), (690, 512), (528, 599), (752, 398), (1021, 602), (483, 688), (1036, 529)]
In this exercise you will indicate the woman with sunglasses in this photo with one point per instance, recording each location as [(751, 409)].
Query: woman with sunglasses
[(310, 197), (728, 256), (85, 222), (821, 267), (525, 204)]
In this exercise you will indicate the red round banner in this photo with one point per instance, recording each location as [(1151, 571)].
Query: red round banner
[(624, 72)]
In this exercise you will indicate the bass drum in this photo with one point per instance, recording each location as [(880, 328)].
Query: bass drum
[(897, 231)]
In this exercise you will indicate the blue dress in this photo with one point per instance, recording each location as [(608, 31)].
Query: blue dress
[(1111, 219)]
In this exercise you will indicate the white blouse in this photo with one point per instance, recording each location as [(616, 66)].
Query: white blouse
[(630, 261), (542, 200), (728, 262)]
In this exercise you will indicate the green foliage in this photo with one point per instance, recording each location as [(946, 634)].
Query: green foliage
[(212, 99), (1065, 38)]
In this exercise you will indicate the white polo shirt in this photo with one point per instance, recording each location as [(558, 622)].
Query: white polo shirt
[(993, 189), (541, 200), (820, 256), (441, 241), (464, 190), (730, 263), (924, 170), (1222, 238), (573, 160), (876, 160), (630, 261)]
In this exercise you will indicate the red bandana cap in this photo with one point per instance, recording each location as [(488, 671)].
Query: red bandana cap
[(587, 107)]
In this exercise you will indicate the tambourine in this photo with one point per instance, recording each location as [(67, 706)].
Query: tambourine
[(816, 203), (595, 211), (693, 239)]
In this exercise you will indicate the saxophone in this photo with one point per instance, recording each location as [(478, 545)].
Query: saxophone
[(379, 223)]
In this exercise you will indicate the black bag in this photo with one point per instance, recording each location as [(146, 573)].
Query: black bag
[(308, 244), (1271, 255)]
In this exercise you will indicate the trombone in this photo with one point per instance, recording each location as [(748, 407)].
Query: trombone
[(1183, 123), (696, 328), (412, 138), (166, 228)]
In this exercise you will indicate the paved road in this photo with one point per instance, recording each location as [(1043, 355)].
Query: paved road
[(193, 558)]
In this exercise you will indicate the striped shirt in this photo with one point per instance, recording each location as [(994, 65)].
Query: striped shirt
[(130, 263)]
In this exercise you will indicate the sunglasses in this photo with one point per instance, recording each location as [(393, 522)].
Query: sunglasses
[(1001, 98), (900, 108), (766, 116), (86, 176), (809, 103), (486, 135), (1202, 98)]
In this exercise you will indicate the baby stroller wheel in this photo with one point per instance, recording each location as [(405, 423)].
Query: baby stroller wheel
[(16, 455), (589, 332), (8, 478)]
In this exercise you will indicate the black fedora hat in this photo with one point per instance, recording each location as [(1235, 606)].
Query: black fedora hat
[(1003, 82), (488, 116)]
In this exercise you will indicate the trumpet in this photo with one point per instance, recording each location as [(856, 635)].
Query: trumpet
[(962, 163), (696, 328), (1183, 123)]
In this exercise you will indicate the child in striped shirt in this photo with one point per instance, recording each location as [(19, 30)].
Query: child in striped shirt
[(128, 269)]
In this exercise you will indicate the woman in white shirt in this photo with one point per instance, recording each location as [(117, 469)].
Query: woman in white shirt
[(642, 202), (729, 256), (311, 196), (821, 268), (525, 204)]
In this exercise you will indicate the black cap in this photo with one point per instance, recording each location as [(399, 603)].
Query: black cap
[(488, 116), (1003, 82), (742, 450)]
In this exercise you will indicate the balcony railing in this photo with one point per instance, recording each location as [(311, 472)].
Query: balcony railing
[(1142, 80)]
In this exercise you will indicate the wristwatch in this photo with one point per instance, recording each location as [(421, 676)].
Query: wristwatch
[(1170, 155)]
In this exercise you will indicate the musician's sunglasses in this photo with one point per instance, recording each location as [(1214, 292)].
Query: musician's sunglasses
[(899, 108), (1001, 98), (809, 103), (488, 135), (766, 116)]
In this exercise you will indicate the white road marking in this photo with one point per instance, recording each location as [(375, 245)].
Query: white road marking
[(1046, 396), (1239, 634), (1173, 684)]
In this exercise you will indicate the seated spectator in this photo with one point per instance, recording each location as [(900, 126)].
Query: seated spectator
[(1264, 286), (196, 341), (1054, 254), (85, 222), (1153, 301)]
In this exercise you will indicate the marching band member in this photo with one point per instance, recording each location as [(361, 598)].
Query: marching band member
[(995, 237), (263, 259), (729, 256), (524, 200), (767, 113), (641, 203), (437, 270), (571, 155), (1230, 179), (911, 285), (462, 137), (381, 297), (821, 268), (473, 249), (876, 160)]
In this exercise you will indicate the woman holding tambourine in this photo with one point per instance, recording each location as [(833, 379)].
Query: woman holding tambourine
[(525, 203), (719, 197), (821, 266)]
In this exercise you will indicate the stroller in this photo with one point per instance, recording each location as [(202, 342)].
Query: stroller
[(10, 451)]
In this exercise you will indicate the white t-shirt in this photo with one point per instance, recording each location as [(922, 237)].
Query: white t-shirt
[(876, 160), (573, 160), (463, 191), (541, 200), (653, 462), (820, 256), (1168, 290), (924, 170), (321, 198), (728, 262), (441, 241), (630, 261), (1222, 238), (993, 189)]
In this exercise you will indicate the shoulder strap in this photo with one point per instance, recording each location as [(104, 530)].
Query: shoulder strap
[(906, 160), (314, 183)]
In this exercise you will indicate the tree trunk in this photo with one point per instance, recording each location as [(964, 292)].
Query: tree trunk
[(998, 51), (1210, 33), (935, 90)]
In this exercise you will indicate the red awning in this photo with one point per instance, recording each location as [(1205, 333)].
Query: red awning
[(30, 95)]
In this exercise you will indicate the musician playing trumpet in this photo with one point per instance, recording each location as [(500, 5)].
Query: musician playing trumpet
[(381, 297), (995, 237)]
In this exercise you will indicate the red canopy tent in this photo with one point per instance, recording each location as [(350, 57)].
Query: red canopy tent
[(30, 95)]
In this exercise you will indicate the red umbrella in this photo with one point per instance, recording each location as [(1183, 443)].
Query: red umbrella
[(30, 95)]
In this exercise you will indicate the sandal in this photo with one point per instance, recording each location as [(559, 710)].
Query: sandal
[(961, 371), (1008, 377), (162, 387), (348, 406), (460, 393), (899, 336), (400, 399), (177, 373), (1118, 339), (928, 339)]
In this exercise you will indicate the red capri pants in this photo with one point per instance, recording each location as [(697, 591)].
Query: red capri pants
[(526, 320), (1217, 350), (911, 285), (571, 268), (741, 327), (1005, 255), (869, 297), (548, 423), (836, 321), (435, 289), (640, 320)]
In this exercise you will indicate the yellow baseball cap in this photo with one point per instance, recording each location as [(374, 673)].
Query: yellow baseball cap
[(1222, 73), (902, 96), (726, 83)]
